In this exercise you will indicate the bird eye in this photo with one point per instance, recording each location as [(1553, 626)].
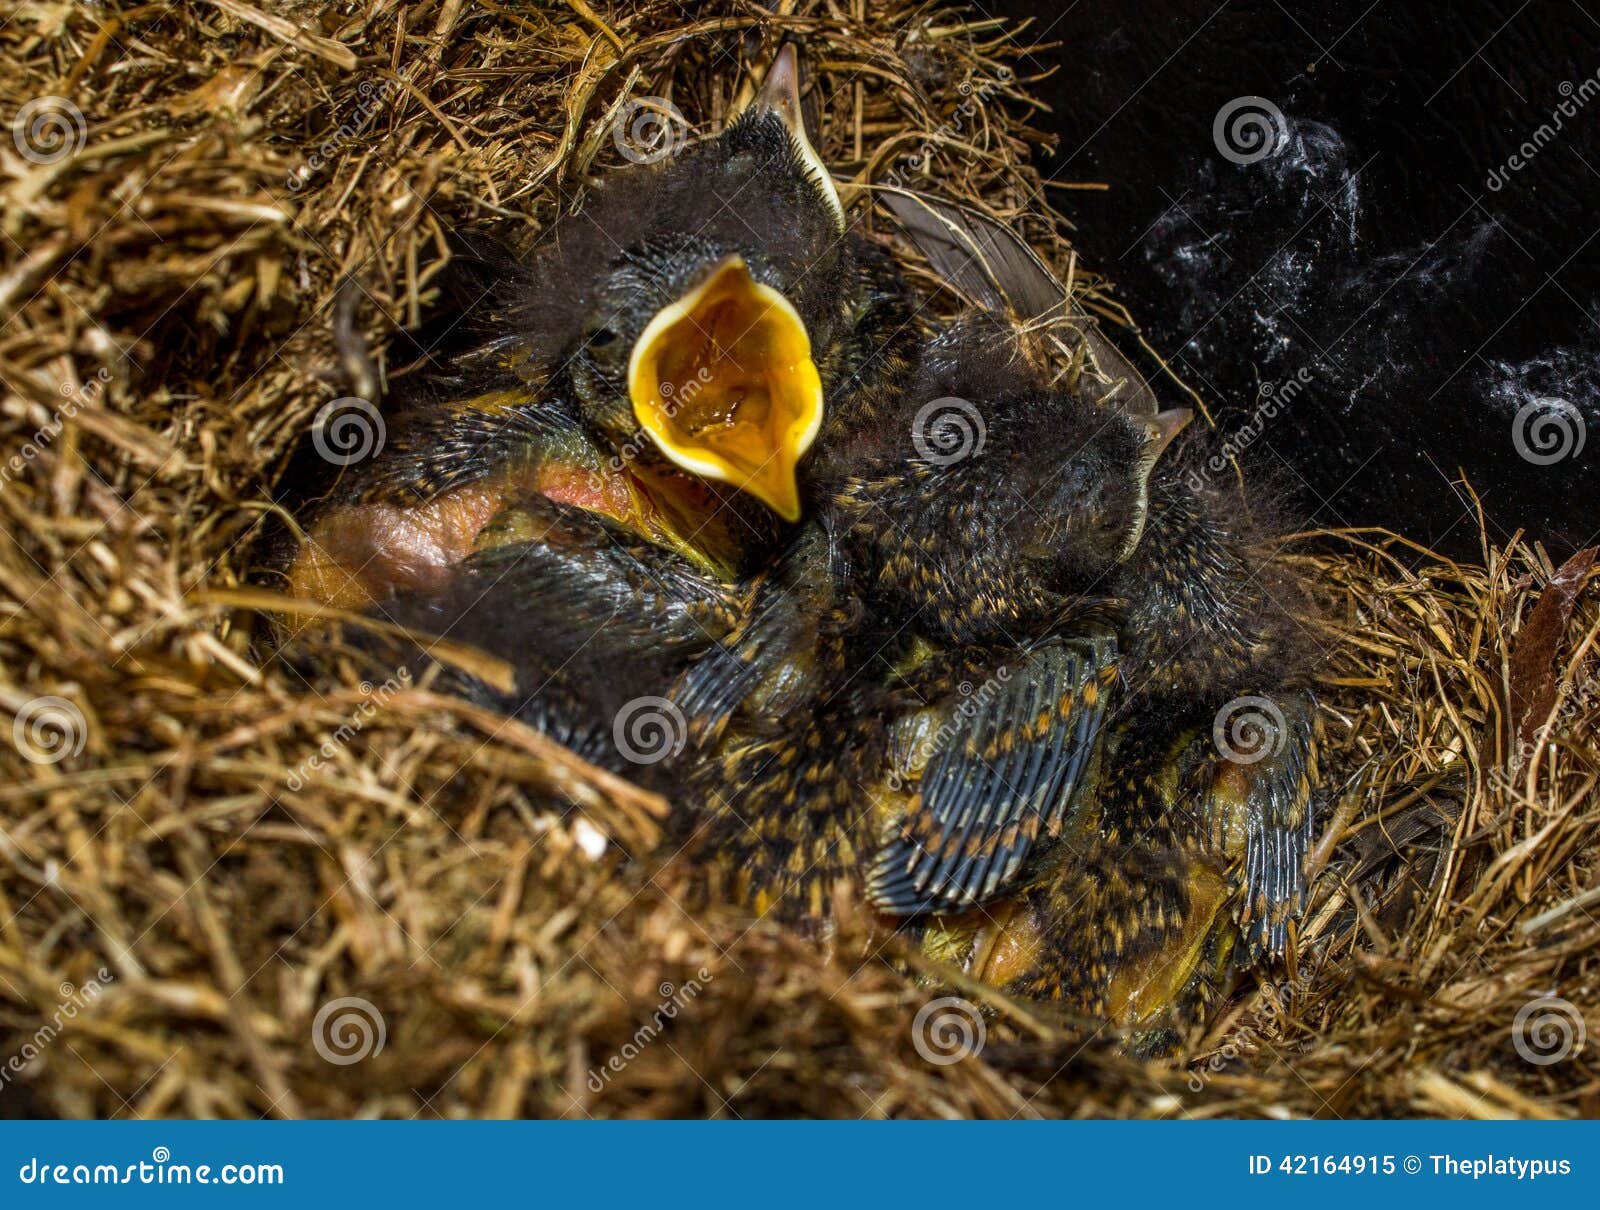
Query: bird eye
[(601, 338)]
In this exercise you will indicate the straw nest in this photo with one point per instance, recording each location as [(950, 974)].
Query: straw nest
[(214, 874)]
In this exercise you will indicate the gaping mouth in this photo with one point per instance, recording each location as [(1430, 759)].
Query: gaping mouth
[(724, 383)]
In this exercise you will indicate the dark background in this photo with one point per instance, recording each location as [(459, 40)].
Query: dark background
[(1367, 251)]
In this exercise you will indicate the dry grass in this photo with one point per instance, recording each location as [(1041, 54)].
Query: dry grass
[(167, 341)]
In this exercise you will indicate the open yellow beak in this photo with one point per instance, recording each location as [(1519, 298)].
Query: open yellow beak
[(724, 383)]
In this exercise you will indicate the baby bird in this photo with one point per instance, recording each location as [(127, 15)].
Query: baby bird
[(667, 359), (591, 616), (941, 558), (1117, 817), (1185, 861), (1184, 856)]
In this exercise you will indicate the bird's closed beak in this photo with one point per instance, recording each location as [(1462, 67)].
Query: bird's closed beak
[(723, 381), (780, 95)]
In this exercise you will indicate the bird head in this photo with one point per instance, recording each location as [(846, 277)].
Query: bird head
[(1050, 482), (691, 300), (1043, 492), (1089, 508)]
